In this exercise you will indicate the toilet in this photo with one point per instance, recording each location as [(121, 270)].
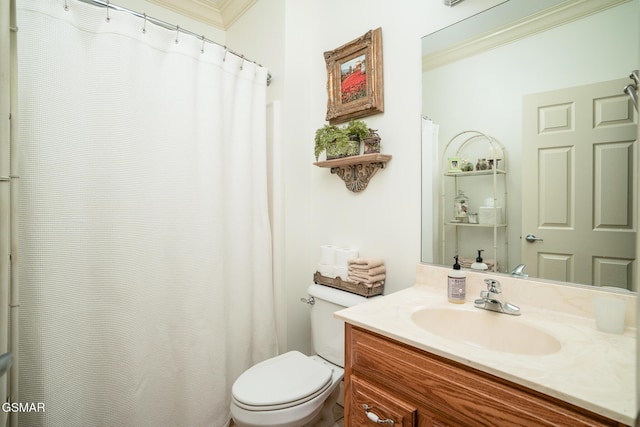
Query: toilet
[(292, 389)]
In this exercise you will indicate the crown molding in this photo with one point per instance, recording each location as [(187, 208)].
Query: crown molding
[(218, 13), (563, 13), (232, 10)]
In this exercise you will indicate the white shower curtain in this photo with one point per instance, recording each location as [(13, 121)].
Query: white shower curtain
[(145, 257)]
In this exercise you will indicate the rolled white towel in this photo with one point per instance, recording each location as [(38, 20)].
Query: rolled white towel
[(341, 272), (327, 270), (328, 254), (343, 255)]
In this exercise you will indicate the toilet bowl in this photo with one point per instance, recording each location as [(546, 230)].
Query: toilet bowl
[(269, 395), (292, 389)]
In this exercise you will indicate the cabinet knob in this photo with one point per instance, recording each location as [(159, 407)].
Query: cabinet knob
[(373, 417)]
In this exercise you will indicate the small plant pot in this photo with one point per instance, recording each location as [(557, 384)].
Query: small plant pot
[(371, 147), (372, 143), (353, 149)]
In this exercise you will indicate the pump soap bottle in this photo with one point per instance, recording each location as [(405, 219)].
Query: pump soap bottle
[(456, 284), (479, 264)]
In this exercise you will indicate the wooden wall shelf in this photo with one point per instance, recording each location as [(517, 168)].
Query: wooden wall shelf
[(356, 171)]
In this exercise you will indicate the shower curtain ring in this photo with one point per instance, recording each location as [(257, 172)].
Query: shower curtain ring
[(224, 57), (177, 32), (66, 6), (144, 24), (108, 7), (202, 48), (242, 63)]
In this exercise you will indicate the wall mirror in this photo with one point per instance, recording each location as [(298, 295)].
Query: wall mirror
[(522, 69)]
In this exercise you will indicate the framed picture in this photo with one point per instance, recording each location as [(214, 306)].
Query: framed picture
[(354, 78), (454, 164)]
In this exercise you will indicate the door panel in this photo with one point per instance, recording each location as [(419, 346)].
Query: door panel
[(612, 272), (555, 202), (556, 267), (580, 193), (613, 172)]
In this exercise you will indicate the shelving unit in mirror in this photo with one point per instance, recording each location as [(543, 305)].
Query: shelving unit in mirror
[(474, 200), (356, 171)]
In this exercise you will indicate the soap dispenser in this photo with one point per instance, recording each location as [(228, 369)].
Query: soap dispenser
[(456, 284), (479, 264)]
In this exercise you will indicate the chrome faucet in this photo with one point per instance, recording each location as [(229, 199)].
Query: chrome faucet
[(489, 299), (519, 271)]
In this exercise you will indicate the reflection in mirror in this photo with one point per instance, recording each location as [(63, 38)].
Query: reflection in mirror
[(549, 87)]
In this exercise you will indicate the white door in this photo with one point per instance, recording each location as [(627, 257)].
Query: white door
[(579, 197)]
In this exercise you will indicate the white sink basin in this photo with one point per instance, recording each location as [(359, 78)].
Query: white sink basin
[(486, 329)]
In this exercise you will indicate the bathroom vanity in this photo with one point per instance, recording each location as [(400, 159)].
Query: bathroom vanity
[(549, 366), (416, 388)]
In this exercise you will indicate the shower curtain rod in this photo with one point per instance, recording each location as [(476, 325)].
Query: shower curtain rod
[(168, 26)]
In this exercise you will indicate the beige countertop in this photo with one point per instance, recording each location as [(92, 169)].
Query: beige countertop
[(593, 370)]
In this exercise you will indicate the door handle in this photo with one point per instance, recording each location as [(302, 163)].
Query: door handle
[(531, 238)]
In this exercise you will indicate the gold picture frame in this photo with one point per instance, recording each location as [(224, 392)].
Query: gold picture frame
[(354, 78)]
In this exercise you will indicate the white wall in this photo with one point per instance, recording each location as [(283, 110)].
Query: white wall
[(384, 220)]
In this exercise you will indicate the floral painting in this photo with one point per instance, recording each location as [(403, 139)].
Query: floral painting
[(354, 78)]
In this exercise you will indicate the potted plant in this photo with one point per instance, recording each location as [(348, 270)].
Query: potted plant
[(340, 141), (332, 139), (357, 130)]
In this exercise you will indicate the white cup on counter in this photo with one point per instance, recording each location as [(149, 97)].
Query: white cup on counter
[(610, 313)]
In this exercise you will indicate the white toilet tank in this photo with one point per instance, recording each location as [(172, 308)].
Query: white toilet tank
[(328, 332)]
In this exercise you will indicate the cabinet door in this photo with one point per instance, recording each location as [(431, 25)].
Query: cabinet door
[(370, 402)]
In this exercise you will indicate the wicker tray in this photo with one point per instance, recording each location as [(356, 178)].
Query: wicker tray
[(356, 288)]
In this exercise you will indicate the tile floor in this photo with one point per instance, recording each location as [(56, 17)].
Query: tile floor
[(338, 412)]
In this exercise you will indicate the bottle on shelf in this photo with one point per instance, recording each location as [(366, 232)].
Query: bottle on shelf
[(479, 264)]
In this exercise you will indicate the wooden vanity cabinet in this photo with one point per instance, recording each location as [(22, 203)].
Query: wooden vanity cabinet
[(412, 387)]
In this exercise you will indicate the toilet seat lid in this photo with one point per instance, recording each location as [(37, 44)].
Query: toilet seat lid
[(290, 378)]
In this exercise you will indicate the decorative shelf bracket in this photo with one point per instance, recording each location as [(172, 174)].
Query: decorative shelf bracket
[(356, 177), (356, 171)]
